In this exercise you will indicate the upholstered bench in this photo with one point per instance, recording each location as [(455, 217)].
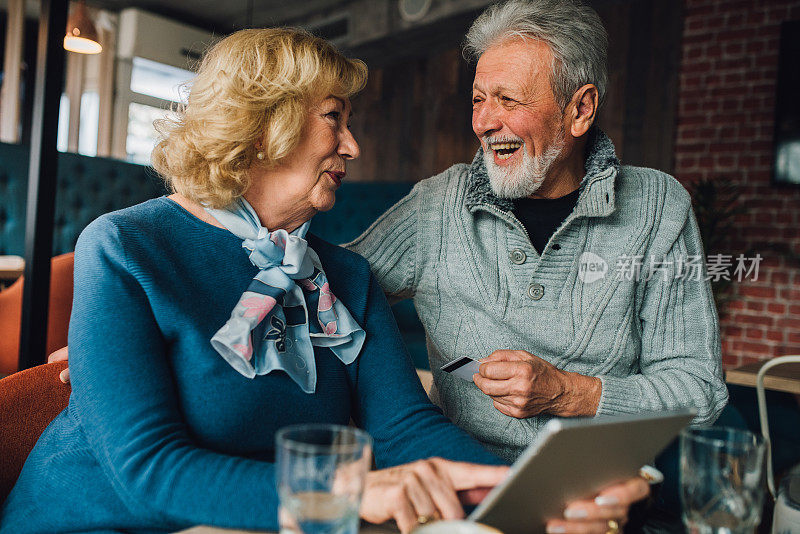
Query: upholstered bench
[(89, 187)]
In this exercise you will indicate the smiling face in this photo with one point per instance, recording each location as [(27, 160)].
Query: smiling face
[(517, 119), (305, 182)]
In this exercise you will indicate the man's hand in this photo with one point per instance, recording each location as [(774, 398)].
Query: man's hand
[(434, 489), (523, 385), (58, 356)]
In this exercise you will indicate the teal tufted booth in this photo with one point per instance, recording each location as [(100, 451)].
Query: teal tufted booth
[(357, 206), (87, 188)]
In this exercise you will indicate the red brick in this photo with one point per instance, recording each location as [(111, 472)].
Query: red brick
[(735, 5), (756, 320), (790, 295), (758, 291), (691, 81), (768, 31), (794, 309), (765, 146), (738, 35), (736, 305), (764, 218), (697, 11), (756, 17), (694, 120), (777, 13), (713, 50), (776, 307), (691, 53), (756, 46), (753, 348), (775, 335), (694, 38), (754, 306), (754, 333), (733, 331), (779, 277), (735, 77), (728, 145), (786, 322), (735, 19), (793, 337), (790, 233), (703, 66), (730, 361)]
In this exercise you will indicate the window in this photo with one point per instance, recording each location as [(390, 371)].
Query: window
[(63, 123), (90, 123), (142, 135), (159, 80), (155, 89)]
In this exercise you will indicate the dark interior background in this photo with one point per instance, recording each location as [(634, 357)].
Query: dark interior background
[(413, 119)]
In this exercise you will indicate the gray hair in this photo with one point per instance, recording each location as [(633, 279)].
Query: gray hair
[(573, 31)]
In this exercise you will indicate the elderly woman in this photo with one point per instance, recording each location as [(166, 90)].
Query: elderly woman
[(205, 321)]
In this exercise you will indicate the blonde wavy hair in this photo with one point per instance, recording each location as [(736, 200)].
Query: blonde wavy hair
[(254, 85)]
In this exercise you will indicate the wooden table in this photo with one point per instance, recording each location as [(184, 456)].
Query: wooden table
[(365, 529), (11, 268), (782, 378)]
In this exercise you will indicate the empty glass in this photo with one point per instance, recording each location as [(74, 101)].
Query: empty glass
[(320, 475), (722, 480)]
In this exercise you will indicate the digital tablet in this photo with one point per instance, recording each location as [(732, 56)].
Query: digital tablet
[(573, 458)]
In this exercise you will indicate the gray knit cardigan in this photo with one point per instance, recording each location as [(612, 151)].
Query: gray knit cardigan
[(479, 285)]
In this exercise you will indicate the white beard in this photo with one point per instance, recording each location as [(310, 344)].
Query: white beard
[(525, 178)]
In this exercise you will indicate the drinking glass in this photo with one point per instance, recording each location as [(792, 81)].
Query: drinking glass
[(321, 470), (722, 480)]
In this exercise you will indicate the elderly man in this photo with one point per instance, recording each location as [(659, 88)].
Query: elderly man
[(563, 270)]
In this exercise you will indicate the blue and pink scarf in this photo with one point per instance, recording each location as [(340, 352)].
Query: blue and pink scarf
[(287, 309)]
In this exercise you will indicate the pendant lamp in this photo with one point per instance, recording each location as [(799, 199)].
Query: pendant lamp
[(81, 34)]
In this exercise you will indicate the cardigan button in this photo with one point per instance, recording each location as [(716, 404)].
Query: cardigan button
[(517, 256), (535, 291)]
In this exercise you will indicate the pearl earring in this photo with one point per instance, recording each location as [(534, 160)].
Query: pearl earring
[(260, 155)]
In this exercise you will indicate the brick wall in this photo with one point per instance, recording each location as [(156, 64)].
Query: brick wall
[(725, 132)]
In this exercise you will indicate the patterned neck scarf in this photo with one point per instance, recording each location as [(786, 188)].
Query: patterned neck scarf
[(287, 309)]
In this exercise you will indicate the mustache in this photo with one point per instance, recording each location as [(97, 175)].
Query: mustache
[(489, 139)]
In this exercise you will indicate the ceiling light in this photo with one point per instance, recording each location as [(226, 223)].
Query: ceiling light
[(81, 34)]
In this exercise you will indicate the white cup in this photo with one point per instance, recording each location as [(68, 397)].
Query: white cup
[(455, 527)]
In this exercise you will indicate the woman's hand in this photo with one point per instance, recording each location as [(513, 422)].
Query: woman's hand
[(426, 489), (599, 515)]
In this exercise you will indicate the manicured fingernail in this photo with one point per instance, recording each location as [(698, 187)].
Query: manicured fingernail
[(575, 513), (606, 500), (556, 529)]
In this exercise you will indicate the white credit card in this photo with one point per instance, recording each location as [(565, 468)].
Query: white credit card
[(463, 367)]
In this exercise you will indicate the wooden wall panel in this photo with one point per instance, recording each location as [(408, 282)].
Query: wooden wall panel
[(414, 118)]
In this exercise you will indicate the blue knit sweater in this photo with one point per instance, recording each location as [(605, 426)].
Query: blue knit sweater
[(160, 432)]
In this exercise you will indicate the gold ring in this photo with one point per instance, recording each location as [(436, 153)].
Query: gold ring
[(613, 527), (424, 519)]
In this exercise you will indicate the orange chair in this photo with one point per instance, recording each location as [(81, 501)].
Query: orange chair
[(57, 317), (29, 400)]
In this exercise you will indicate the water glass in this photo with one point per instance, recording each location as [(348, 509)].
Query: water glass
[(320, 472), (722, 480)]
